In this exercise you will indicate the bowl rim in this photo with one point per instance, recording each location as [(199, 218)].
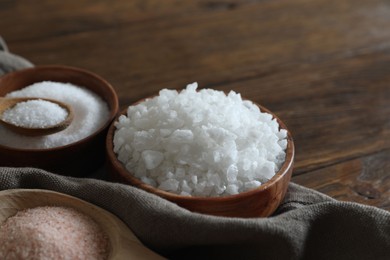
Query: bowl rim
[(132, 180), (121, 239), (112, 115)]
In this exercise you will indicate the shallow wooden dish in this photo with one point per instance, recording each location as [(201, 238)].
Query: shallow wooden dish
[(259, 202), (75, 159), (123, 243)]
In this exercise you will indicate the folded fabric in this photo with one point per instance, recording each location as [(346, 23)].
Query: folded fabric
[(9, 61), (307, 225), (3, 45)]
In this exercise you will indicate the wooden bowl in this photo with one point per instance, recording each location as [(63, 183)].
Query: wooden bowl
[(76, 159), (123, 243), (259, 202)]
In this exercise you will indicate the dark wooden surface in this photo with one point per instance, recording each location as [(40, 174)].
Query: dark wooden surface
[(322, 66)]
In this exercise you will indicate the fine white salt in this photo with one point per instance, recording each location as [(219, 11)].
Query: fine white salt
[(52, 233), (35, 114), (200, 143), (90, 113)]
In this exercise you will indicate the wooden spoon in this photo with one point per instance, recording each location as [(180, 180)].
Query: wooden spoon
[(6, 103), (123, 243)]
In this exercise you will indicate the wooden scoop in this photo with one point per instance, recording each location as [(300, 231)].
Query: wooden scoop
[(123, 242), (6, 103)]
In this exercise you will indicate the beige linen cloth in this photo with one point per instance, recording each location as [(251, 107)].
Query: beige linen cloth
[(9, 61), (307, 225)]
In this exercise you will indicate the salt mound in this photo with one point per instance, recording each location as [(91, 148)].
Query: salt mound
[(52, 232), (200, 143), (90, 113), (35, 114)]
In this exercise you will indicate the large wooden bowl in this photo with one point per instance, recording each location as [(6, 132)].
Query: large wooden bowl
[(75, 159), (123, 244), (259, 202)]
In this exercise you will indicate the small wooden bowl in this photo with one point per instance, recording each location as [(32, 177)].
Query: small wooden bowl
[(259, 202), (76, 159), (123, 243)]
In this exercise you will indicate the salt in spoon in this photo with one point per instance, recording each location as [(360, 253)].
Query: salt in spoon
[(7, 103)]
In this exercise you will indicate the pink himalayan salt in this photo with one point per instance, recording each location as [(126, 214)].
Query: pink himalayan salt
[(52, 233)]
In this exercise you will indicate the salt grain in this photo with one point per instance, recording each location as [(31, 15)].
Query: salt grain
[(200, 143), (35, 114), (90, 113), (52, 233)]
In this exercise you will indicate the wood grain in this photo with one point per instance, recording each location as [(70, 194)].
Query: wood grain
[(322, 66), (364, 180)]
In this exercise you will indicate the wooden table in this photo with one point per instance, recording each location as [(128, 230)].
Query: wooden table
[(322, 66)]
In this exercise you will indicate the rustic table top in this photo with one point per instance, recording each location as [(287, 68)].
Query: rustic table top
[(322, 66)]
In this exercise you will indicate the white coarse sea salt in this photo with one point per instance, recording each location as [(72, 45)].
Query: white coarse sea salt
[(90, 113), (200, 143), (35, 114)]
